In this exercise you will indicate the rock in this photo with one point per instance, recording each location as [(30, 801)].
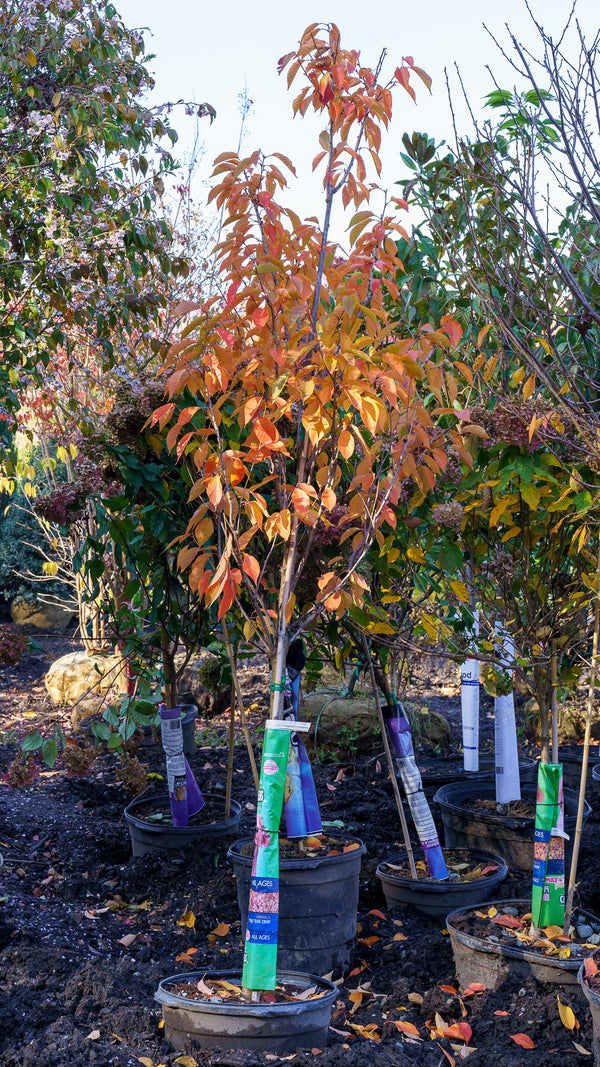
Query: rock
[(594, 939), (584, 931), (211, 699), (510, 911), (82, 681), (53, 617), (342, 727), (348, 727)]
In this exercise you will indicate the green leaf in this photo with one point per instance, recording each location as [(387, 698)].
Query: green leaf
[(49, 752), (32, 742)]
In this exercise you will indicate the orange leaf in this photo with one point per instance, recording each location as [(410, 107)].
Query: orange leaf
[(352, 847), (590, 967), (221, 930), (251, 567), (376, 912), (523, 1040), (448, 989), (406, 1028), (501, 1013), (399, 937), (473, 989), (260, 317)]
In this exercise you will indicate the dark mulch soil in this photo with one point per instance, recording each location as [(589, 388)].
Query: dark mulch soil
[(76, 988)]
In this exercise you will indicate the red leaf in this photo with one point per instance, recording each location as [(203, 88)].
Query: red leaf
[(523, 1040), (448, 989), (509, 921), (589, 967), (501, 1013), (473, 989)]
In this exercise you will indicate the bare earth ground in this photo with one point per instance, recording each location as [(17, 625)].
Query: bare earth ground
[(72, 993)]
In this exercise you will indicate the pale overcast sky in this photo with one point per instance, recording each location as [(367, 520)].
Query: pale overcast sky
[(211, 51)]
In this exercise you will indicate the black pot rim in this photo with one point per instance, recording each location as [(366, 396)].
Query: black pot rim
[(162, 799), (162, 995), (234, 854), (483, 790), (443, 888), (514, 951)]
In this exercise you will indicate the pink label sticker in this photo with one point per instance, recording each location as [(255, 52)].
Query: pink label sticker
[(270, 766)]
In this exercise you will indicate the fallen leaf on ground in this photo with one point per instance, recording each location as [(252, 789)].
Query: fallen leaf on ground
[(399, 937), (473, 989), (186, 1061), (590, 967), (376, 912), (523, 1040), (583, 1051), (93, 1035), (127, 940), (415, 998), (448, 989), (567, 1015), (187, 919), (501, 1013), (406, 1027), (221, 930)]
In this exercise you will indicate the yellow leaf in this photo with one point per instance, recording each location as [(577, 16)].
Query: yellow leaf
[(186, 1061), (460, 590), (416, 554), (187, 919), (518, 376), (492, 912), (567, 1015), (529, 387)]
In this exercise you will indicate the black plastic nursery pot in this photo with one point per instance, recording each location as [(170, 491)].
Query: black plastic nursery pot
[(572, 763), (593, 1000), (318, 899), (156, 837), (260, 1027), (435, 899), (596, 779), (477, 959), (507, 836), (448, 769)]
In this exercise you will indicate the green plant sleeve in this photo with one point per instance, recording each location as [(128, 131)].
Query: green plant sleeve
[(260, 950), (548, 887)]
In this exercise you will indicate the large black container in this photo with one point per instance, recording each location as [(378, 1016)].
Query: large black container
[(318, 898), (511, 838), (153, 837), (596, 779), (436, 899), (572, 763), (260, 1027), (477, 959)]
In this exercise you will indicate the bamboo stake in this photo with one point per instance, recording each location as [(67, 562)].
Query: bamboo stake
[(240, 703), (586, 752), (390, 763)]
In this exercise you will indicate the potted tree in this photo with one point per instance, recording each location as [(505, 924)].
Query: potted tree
[(307, 404)]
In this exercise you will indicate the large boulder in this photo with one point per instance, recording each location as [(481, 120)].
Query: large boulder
[(53, 617), (82, 681), (343, 728)]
